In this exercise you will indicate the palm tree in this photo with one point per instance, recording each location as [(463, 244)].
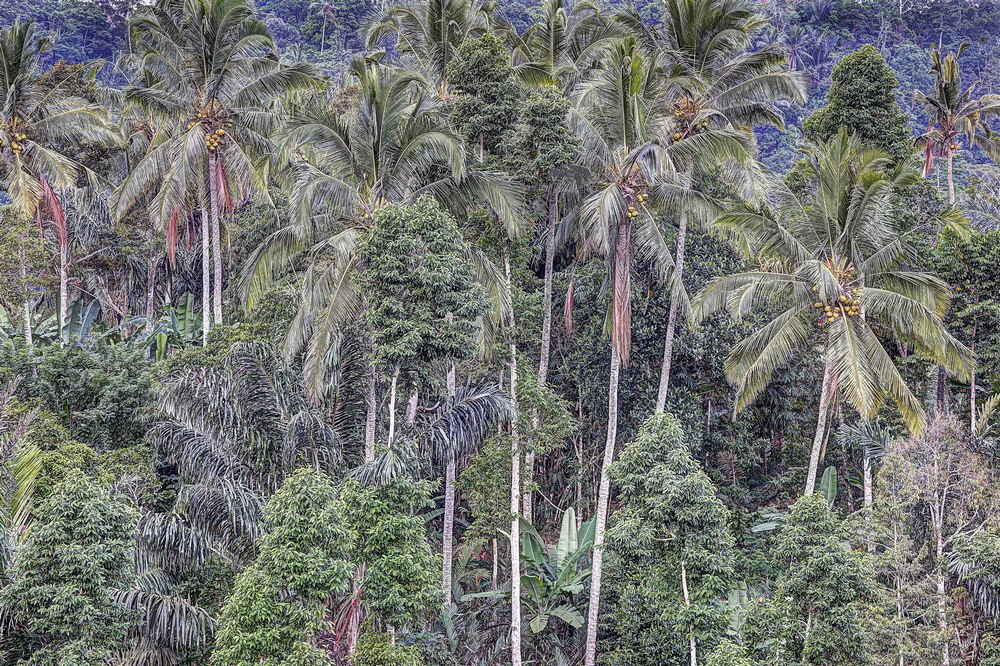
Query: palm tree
[(719, 84), (325, 9), (393, 146), (210, 74), (833, 263), (620, 117), (565, 45), (431, 32), (232, 434), (35, 120), (955, 112)]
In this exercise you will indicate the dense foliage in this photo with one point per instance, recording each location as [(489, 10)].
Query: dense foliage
[(460, 333)]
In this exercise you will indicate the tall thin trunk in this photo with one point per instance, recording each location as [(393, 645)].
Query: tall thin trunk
[(942, 600), (206, 277), (411, 407), (546, 346), (972, 388), (824, 405), (515, 494), (63, 292), (603, 499), (392, 405), (152, 265), (493, 578), (869, 498), (448, 536), (950, 161), (29, 337), (692, 642), (675, 298), (621, 337), (214, 187), (322, 41)]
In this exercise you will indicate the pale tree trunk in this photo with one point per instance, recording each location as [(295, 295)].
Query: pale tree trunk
[(692, 642), (972, 387), (675, 297), (151, 289), (603, 499), (392, 405), (937, 511), (29, 338), (206, 278), (411, 407), (869, 497), (371, 409), (515, 494), (546, 346), (63, 292), (950, 161), (448, 535), (824, 405), (620, 339), (214, 185)]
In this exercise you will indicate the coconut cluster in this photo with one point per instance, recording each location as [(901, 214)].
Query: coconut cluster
[(17, 136), (632, 213), (214, 125), (686, 120), (846, 305)]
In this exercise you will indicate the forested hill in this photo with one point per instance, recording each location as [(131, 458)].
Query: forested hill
[(453, 333)]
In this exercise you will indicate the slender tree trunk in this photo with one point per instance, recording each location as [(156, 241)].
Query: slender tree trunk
[(824, 405), (515, 494), (63, 292), (546, 346), (950, 161), (206, 277), (675, 297), (869, 497), (29, 337), (448, 535), (215, 186), (972, 388), (942, 599), (152, 265), (493, 579), (392, 405), (322, 41), (603, 499), (692, 642), (411, 407)]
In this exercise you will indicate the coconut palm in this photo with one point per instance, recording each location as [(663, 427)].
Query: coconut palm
[(720, 82), (954, 112), (621, 117), (833, 263), (325, 9), (431, 32), (564, 45), (210, 74), (35, 120), (393, 146)]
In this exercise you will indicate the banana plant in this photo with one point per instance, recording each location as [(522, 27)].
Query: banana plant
[(555, 574), (181, 326)]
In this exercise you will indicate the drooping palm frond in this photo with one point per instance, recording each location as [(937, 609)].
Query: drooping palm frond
[(463, 421), (834, 268)]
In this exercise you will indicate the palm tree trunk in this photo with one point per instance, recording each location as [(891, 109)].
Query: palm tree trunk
[(63, 291), (151, 288), (322, 41), (206, 278), (950, 161), (824, 405), (448, 535), (675, 297), (515, 494), (621, 332), (28, 336), (603, 499), (546, 347), (214, 187), (972, 387), (869, 497)]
